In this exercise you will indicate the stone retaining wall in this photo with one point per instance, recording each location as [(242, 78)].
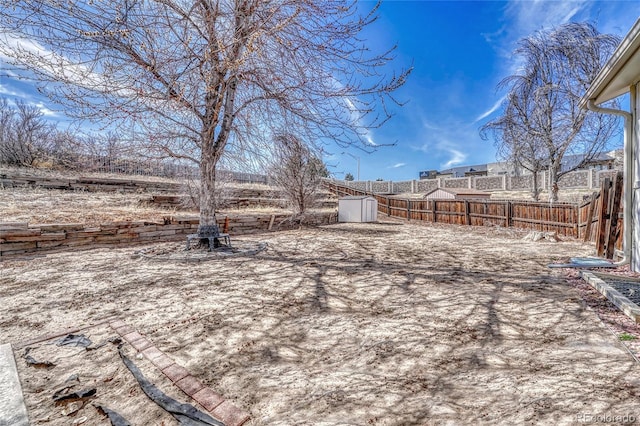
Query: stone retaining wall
[(22, 238)]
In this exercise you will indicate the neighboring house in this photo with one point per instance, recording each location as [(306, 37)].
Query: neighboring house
[(428, 174), (503, 168), (602, 161), (463, 171), (621, 75), (456, 194)]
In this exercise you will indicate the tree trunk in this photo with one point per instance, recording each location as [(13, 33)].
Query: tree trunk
[(207, 190), (553, 179), (535, 192)]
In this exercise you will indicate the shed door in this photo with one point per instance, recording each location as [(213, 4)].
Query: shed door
[(370, 210)]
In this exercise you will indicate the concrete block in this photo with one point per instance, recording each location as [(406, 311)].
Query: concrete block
[(12, 409)]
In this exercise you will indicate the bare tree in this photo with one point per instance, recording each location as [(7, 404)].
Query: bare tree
[(24, 134), (514, 141), (210, 77), (297, 172), (542, 120)]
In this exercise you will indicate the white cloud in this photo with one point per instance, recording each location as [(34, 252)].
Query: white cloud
[(45, 111), (457, 157), (27, 54), (491, 110), (398, 165), (6, 90), (428, 125), (368, 137), (356, 116), (529, 16)]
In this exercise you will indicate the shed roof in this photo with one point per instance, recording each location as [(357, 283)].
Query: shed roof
[(620, 72), (461, 191), (355, 197)]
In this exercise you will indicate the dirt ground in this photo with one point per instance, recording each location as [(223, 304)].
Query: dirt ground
[(365, 324)]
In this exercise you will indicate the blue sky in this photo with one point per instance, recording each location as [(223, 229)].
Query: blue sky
[(460, 50)]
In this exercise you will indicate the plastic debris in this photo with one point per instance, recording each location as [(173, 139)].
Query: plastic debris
[(74, 396), (185, 414), (74, 340), (115, 418), (31, 361)]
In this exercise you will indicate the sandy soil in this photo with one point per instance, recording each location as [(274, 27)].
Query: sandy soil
[(382, 324)]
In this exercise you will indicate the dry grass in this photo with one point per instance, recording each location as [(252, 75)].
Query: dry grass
[(37, 205), (70, 174)]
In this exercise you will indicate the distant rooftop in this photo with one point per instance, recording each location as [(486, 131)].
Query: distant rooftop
[(460, 171)]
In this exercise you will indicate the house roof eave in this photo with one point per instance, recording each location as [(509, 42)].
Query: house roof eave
[(619, 73)]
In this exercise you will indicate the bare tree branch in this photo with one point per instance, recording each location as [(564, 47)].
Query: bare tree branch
[(208, 77), (542, 121)]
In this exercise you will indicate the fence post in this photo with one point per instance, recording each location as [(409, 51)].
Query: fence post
[(509, 212), (612, 223), (467, 212), (433, 210), (590, 210), (602, 217), (408, 209)]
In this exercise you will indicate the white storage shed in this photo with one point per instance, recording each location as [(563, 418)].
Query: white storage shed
[(357, 208)]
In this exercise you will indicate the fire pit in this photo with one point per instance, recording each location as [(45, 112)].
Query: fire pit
[(212, 234)]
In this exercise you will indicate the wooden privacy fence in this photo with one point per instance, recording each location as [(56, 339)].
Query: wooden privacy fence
[(590, 220)]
